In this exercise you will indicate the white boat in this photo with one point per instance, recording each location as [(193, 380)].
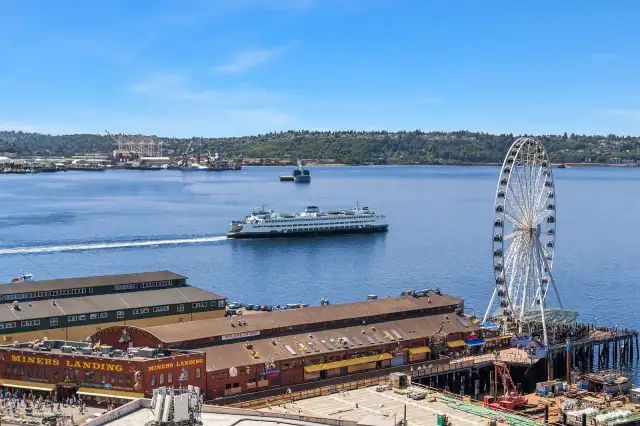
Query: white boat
[(263, 223), (24, 277)]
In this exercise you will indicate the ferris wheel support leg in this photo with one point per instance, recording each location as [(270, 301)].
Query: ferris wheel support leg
[(544, 325), (486, 314)]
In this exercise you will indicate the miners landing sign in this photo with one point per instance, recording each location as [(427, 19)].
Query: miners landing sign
[(56, 362), (240, 335)]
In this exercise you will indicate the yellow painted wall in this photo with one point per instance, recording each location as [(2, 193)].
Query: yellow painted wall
[(82, 332)]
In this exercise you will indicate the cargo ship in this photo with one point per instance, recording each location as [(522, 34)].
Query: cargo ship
[(263, 223)]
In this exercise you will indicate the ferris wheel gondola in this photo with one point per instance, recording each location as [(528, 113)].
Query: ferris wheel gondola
[(524, 234)]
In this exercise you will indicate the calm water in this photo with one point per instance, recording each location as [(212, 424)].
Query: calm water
[(440, 229)]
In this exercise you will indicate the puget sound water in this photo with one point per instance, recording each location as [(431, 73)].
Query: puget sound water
[(83, 223)]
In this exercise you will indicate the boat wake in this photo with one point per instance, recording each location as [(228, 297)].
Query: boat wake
[(110, 245)]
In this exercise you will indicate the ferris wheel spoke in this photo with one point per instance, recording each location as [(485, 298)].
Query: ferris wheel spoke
[(551, 281), (513, 219), (519, 197)]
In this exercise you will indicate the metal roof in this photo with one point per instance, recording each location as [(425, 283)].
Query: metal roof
[(326, 341), (104, 280), (205, 329), (103, 303)]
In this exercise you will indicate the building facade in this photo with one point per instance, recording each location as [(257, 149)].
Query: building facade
[(61, 374), (76, 308)]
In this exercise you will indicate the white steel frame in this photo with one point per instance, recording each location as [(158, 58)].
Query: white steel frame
[(524, 234)]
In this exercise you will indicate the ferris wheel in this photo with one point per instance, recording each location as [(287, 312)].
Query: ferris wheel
[(524, 235)]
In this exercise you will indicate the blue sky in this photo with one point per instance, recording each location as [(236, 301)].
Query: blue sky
[(237, 67)]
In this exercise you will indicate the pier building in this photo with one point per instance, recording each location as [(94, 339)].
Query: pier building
[(61, 368), (255, 352), (75, 308)]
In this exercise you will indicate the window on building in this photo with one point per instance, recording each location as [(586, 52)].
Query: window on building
[(169, 377), (181, 308), (125, 287), (198, 373), (120, 314), (53, 322)]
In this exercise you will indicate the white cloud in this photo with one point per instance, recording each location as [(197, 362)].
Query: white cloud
[(244, 61), (160, 83), (621, 112)]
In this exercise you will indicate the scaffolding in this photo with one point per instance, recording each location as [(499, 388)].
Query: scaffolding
[(140, 145)]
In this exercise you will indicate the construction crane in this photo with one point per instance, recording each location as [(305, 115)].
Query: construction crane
[(511, 398)]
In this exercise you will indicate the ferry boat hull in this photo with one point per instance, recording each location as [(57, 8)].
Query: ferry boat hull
[(313, 222), (239, 235)]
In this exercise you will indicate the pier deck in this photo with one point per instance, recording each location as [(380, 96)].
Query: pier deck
[(356, 405)]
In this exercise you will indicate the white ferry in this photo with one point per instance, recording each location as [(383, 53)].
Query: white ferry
[(312, 222)]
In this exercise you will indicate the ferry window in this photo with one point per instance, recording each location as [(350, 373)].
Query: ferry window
[(113, 379), (84, 290), (72, 318), (82, 317), (96, 376), (162, 378), (181, 308), (89, 376), (91, 290), (93, 316), (128, 381), (197, 373), (169, 377), (103, 315), (161, 308), (221, 303), (120, 380), (153, 380), (120, 314), (56, 373), (54, 292)]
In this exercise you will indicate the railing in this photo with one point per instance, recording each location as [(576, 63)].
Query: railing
[(311, 393)]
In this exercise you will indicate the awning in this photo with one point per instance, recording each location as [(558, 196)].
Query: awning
[(108, 393), (47, 387), (420, 350), (475, 342), (347, 362), (456, 344), (495, 339)]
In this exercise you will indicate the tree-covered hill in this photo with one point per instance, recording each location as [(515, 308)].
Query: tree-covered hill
[(346, 146)]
